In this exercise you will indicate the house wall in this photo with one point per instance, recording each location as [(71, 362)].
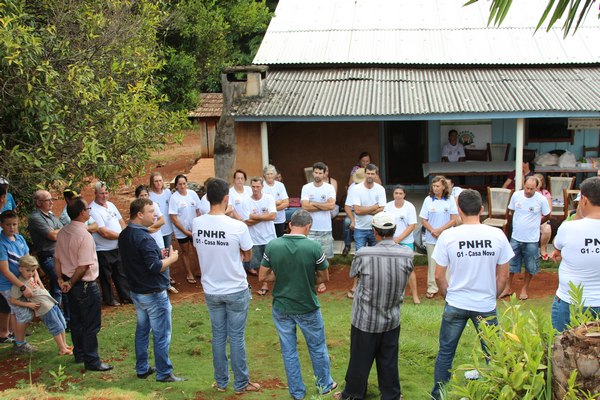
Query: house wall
[(248, 151), (207, 126), (296, 145)]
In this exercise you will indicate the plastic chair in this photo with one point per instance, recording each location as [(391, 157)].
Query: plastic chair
[(498, 199), (498, 151), (308, 174), (557, 184)]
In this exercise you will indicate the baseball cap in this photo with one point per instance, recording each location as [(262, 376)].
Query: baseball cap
[(578, 198), (359, 175), (3, 180), (384, 220), (70, 193)]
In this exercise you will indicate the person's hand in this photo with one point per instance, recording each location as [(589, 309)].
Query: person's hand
[(188, 233), (65, 286), (351, 225), (27, 293), (556, 256), (173, 254), (35, 306)]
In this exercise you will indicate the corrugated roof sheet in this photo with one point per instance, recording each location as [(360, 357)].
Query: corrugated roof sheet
[(210, 105), (373, 92), (431, 32)]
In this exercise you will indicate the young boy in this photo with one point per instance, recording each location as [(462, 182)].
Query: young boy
[(41, 303), (12, 248)]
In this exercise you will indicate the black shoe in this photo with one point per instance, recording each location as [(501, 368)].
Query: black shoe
[(346, 250), (146, 374), (113, 303), (171, 378), (78, 360), (100, 367)]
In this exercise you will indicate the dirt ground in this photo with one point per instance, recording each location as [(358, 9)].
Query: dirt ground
[(179, 159)]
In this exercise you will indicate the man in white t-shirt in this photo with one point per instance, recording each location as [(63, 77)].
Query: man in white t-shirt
[(368, 199), (453, 151), (318, 198), (476, 258), (259, 213), (282, 200), (577, 244), (222, 243), (350, 220), (530, 209), (110, 224)]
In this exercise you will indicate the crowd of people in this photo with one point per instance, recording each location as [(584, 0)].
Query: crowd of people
[(235, 231)]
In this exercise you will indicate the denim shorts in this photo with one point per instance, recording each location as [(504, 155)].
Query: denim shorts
[(257, 255), (22, 314), (527, 254), (325, 239), (54, 321)]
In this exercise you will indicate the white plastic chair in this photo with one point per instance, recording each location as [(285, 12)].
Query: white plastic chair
[(498, 199), (557, 186)]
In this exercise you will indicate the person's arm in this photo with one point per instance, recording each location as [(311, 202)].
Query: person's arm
[(350, 215), (53, 234), (334, 183), (377, 210), (501, 277), (440, 279), (265, 275), (123, 224), (263, 217), (282, 204), (92, 228), (108, 234), (364, 210), (409, 229), (155, 227), (246, 255), (26, 304), (39, 225), (309, 206), (322, 276), (436, 232), (172, 259), (80, 271), (179, 225), (5, 270)]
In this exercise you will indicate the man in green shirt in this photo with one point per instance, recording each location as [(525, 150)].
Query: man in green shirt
[(297, 264)]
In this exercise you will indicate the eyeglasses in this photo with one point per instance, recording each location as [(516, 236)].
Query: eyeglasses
[(88, 208)]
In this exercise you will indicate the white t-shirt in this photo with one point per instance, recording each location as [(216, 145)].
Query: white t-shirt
[(163, 202), (279, 193), (404, 216), (437, 212), (218, 240), (237, 199), (185, 208), (106, 217), (158, 236), (363, 196), (320, 194), (527, 216), (453, 153), (579, 243), (471, 254), (263, 232), (204, 205)]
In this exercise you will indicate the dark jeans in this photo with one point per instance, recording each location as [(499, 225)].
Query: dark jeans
[(348, 233), (111, 270), (364, 348), (46, 260), (86, 319), (279, 229)]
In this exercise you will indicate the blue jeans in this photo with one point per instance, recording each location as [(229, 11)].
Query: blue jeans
[(561, 313), (348, 233), (228, 315), (46, 260), (153, 311), (364, 237), (528, 254), (313, 329), (453, 323), (54, 321)]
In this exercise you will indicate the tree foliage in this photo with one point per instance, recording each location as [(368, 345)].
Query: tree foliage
[(199, 37), (78, 91), (573, 11)]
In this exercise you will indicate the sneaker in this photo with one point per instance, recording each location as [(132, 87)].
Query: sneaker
[(346, 250), (24, 348), (472, 375)]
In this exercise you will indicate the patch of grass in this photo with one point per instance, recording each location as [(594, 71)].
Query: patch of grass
[(192, 357)]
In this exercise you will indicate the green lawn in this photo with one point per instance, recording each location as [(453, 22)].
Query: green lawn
[(191, 352)]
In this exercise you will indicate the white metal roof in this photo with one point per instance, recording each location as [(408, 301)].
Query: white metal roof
[(387, 93), (429, 32)]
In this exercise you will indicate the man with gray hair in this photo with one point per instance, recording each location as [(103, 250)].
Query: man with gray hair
[(43, 228), (282, 200), (110, 224), (382, 271), (297, 264)]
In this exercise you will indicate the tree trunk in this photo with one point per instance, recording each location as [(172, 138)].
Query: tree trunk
[(576, 349)]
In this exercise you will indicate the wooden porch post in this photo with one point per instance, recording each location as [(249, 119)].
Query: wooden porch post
[(264, 143), (519, 154)]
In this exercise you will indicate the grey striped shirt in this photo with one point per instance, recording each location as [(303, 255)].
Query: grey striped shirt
[(383, 272)]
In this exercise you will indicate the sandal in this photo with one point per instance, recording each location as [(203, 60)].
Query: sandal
[(262, 292), (321, 288), (429, 295), (545, 257), (217, 388), (250, 387), (191, 281), (252, 272), (172, 289), (172, 281), (350, 294)]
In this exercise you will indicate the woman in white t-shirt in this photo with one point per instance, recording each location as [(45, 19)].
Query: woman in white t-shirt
[(438, 213), (142, 192), (238, 193), (184, 206), (545, 228), (405, 215)]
